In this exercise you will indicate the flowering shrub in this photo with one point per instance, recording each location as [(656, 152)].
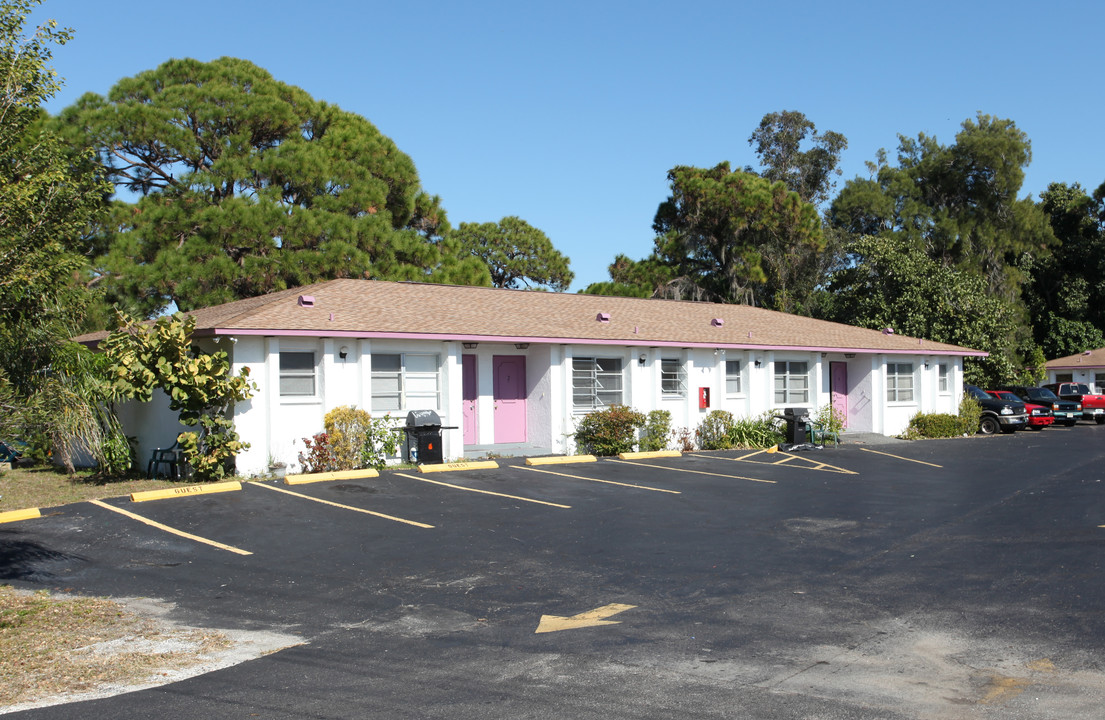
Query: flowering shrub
[(320, 455)]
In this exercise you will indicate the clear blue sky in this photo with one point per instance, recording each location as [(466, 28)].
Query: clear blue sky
[(569, 114)]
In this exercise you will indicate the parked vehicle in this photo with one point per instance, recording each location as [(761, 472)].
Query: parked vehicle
[(1066, 412), (1039, 416), (1093, 405), (1004, 415)]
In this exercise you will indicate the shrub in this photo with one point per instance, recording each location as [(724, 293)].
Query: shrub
[(934, 425), (945, 425), (713, 432), (320, 456), (609, 431), (970, 412), (359, 441), (829, 418), (721, 431), (684, 439), (657, 433)]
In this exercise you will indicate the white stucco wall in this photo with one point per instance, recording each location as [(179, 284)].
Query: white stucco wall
[(151, 423)]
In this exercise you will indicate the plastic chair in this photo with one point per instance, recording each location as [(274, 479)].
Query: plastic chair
[(821, 435), (9, 454), (169, 457)]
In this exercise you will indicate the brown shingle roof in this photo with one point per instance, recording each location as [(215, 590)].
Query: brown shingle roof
[(1088, 359), (369, 308)]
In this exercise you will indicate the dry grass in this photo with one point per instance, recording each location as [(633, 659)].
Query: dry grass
[(46, 487), (51, 646)]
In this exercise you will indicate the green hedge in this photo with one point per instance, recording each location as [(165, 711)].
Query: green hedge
[(945, 425), (609, 431)]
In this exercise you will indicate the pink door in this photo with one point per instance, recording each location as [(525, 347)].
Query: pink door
[(838, 388), (469, 391), (510, 398)]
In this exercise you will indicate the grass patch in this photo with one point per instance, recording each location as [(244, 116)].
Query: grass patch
[(52, 645), (47, 487)]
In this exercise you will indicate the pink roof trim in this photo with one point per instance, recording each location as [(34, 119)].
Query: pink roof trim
[(579, 341)]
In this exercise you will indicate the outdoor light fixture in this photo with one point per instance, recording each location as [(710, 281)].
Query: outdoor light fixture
[(343, 352), (642, 359), (758, 362), (470, 346), (521, 346)]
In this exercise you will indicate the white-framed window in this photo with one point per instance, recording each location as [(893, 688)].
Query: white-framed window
[(405, 381), (673, 379), (942, 378), (899, 382), (298, 375), (1064, 377), (733, 377), (596, 383), (1099, 382), (792, 382)]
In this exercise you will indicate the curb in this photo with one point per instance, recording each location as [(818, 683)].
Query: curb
[(16, 515), (449, 467), (185, 491), (305, 478), (647, 455), (560, 459)]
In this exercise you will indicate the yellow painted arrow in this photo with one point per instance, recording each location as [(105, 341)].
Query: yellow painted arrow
[(591, 618)]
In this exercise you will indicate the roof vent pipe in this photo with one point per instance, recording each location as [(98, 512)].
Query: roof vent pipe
[(306, 301)]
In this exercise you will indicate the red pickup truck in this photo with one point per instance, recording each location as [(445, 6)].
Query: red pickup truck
[(1093, 405)]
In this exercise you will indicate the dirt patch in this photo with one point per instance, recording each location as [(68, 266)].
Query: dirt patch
[(56, 648)]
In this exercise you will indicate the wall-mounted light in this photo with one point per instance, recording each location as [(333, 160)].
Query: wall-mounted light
[(521, 346), (642, 359), (849, 355), (343, 352), (469, 346), (758, 362)]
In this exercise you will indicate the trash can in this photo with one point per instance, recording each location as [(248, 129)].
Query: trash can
[(796, 420), (423, 430)]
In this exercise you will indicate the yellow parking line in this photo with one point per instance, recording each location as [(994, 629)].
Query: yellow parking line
[(482, 492), (814, 464), (608, 482), (696, 472), (166, 528), (899, 457), (343, 507)]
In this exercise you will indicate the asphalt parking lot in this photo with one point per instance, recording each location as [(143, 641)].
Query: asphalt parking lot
[(936, 579)]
